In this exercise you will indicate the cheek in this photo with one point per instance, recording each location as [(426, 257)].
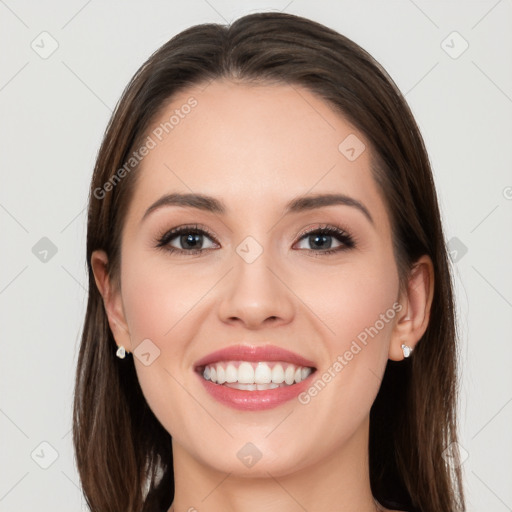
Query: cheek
[(156, 303), (157, 298), (355, 298), (163, 304), (358, 306)]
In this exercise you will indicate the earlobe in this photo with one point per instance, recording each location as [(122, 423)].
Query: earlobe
[(413, 320), (111, 299)]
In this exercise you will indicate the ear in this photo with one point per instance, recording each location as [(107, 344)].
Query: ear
[(111, 299), (414, 316)]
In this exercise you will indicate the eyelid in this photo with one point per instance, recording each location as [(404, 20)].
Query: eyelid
[(322, 227), (344, 236), (164, 238)]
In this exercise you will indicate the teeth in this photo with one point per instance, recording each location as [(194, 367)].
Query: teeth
[(270, 385), (245, 373), (255, 376), (277, 374), (289, 375), (221, 375), (253, 387), (262, 374), (231, 373)]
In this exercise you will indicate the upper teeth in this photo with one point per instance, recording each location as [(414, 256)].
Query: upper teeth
[(255, 373)]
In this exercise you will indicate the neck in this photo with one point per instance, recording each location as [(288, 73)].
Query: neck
[(339, 482)]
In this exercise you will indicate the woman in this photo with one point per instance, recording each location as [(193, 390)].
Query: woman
[(266, 259)]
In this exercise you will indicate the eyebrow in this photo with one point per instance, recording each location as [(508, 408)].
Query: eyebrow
[(297, 205)]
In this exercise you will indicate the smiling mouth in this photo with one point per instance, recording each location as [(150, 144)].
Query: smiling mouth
[(254, 376)]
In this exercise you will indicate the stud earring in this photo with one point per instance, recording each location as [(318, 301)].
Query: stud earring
[(406, 350), (121, 352)]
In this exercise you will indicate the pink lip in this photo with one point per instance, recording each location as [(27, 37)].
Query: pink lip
[(254, 354), (253, 400)]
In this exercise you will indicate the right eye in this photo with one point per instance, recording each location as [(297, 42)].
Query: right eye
[(190, 238)]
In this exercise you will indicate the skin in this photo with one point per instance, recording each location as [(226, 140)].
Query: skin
[(256, 148)]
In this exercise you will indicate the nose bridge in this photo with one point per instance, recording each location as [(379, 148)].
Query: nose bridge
[(254, 293)]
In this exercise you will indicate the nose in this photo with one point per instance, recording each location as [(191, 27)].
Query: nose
[(256, 295)]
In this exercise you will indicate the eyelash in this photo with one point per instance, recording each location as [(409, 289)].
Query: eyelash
[(162, 241)]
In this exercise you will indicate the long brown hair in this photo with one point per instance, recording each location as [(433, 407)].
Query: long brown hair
[(124, 455)]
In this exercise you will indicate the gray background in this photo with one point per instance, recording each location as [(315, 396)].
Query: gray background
[(54, 109)]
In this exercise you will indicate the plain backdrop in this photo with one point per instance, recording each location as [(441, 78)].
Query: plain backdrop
[(63, 67)]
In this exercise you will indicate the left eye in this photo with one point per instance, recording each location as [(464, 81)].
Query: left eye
[(320, 240)]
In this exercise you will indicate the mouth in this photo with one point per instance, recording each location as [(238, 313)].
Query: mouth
[(254, 378)]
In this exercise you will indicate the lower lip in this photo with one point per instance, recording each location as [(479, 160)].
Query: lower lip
[(254, 400)]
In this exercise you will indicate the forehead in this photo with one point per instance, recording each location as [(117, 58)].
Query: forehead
[(256, 146)]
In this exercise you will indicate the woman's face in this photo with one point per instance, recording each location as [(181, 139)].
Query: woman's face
[(259, 280)]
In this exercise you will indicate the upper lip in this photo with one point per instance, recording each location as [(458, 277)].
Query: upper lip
[(254, 354)]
